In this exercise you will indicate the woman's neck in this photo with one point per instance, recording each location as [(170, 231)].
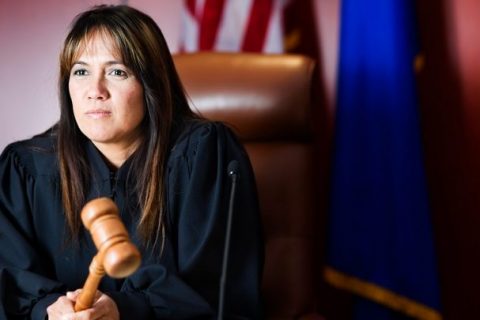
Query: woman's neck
[(116, 154)]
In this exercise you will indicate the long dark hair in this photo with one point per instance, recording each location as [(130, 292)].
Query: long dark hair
[(144, 50)]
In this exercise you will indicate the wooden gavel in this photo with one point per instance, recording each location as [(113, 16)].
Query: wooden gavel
[(117, 255)]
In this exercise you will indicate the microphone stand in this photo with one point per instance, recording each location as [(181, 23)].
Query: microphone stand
[(233, 173)]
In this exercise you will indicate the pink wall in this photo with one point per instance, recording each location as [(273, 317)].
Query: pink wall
[(31, 33)]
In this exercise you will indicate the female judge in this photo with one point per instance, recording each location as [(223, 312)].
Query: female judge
[(126, 132)]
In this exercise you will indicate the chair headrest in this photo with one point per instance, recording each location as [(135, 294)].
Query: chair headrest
[(264, 97)]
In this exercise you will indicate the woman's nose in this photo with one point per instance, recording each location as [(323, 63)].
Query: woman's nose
[(97, 89)]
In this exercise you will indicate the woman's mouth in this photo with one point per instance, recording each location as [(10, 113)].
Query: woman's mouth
[(98, 113)]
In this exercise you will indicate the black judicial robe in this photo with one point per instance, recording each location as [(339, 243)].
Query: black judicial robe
[(37, 265)]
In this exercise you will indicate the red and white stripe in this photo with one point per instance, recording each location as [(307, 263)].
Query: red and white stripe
[(233, 25)]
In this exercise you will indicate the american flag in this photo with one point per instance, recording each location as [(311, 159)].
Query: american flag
[(233, 25)]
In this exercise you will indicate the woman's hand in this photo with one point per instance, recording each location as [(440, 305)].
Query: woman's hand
[(103, 308)]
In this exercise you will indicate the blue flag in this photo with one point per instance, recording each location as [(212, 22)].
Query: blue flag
[(380, 234)]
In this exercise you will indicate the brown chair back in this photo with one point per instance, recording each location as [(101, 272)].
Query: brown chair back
[(266, 99)]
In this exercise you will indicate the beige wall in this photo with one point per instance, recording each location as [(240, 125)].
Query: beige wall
[(31, 33)]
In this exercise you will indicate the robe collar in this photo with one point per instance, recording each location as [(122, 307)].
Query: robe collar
[(100, 167)]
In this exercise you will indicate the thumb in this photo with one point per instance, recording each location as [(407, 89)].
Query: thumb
[(73, 295)]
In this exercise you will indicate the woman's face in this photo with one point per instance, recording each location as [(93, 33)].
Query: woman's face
[(107, 98)]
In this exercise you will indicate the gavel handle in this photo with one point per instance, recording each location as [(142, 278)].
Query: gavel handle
[(87, 295)]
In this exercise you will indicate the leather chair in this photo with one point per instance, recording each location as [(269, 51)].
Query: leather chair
[(266, 99)]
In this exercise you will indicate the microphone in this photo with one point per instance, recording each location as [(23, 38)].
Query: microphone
[(232, 173)]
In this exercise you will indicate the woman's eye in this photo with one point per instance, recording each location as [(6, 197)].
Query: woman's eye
[(80, 72), (118, 73)]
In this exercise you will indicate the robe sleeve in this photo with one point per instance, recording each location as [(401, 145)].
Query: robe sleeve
[(198, 189), (25, 286)]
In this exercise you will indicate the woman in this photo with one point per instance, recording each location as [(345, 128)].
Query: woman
[(126, 132)]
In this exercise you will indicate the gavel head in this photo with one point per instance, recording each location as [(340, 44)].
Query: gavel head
[(116, 253)]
